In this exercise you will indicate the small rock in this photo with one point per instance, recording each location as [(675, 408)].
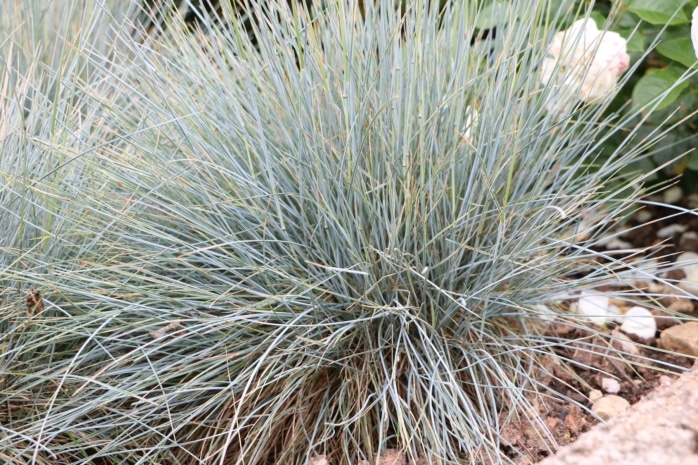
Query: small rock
[(595, 395), (672, 195), (689, 241), (692, 201), (392, 457), (688, 262), (624, 343), (609, 406), (643, 216), (664, 319), (640, 322), (681, 338), (689, 286), (669, 231), (669, 294), (618, 244), (545, 313), (596, 307), (610, 385), (656, 288), (318, 460), (681, 305)]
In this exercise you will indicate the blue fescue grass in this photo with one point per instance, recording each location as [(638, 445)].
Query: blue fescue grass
[(301, 242)]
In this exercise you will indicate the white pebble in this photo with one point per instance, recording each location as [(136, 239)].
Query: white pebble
[(610, 385), (656, 288), (688, 262), (618, 244), (643, 216), (545, 313), (595, 395), (596, 307), (672, 195), (639, 321), (668, 231)]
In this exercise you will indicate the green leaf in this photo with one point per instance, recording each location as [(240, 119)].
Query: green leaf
[(598, 18), (655, 83), (658, 11), (627, 21), (493, 14), (680, 50), (636, 40)]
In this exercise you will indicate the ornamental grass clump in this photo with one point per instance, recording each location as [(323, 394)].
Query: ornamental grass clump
[(46, 116), (324, 231)]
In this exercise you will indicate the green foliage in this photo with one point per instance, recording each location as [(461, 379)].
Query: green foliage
[(666, 12), (659, 34), (343, 232), (660, 30), (658, 86)]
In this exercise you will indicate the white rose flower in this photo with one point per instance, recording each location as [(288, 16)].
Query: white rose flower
[(584, 64), (694, 31)]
